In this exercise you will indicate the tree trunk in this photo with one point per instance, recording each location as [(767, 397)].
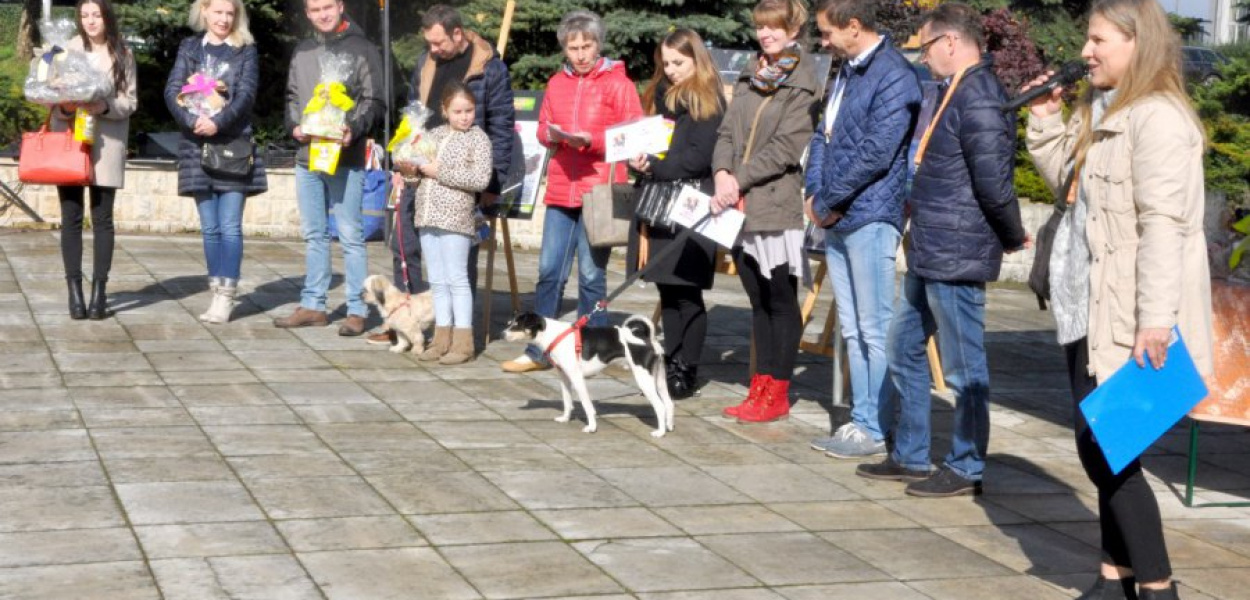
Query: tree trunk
[(28, 29)]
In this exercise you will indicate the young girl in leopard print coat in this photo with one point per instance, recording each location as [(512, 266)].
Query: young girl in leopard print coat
[(445, 209)]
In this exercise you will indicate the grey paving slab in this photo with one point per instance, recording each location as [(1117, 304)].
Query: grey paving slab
[(73, 546), (306, 498), (427, 492), (730, 594), (103, 581), (58, 445), (149, 396), (780, 483), (838, 516), (560, 489), (210, 539), (96, 418), (908, 554), (69, 474), (528, 570), (735, 518), (606, 523), (349, 533), (151, 442), (168, 469), (988, 587), (645, 565), (24, 508), (792, 558), (672, 486), (251, 440), (186, 502), (390, 574), (877, 590)]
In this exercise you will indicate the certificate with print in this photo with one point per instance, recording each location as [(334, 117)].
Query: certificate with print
[(645, 135), (692, 206)]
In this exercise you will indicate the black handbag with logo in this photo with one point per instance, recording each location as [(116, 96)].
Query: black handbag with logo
[(228, 160)]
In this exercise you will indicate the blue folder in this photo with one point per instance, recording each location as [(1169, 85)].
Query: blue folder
[(1137, 405)]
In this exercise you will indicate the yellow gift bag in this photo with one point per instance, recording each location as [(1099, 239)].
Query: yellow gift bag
[(323, 156), (84, 127)]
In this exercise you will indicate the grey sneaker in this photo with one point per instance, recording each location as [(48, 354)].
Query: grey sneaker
[(854, 443), (821, 444)]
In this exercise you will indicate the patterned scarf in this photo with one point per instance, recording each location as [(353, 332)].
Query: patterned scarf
[(769, 76)]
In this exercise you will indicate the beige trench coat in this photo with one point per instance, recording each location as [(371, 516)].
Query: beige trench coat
[(108, 154), (1144, 182)]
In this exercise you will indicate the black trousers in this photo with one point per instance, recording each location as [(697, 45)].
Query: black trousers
[(72, 211), (775, 322), (1132, 530), (406, 247), (684, 319)]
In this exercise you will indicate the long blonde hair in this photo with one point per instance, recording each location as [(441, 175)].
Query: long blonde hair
[(700, 93), (239, 36), (1155, 68)]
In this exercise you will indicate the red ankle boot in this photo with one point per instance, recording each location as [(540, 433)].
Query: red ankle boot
[(759, 383), (772, 405)]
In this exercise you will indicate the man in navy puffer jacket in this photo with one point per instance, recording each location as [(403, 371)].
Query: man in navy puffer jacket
[(856, 180), (964, 215)]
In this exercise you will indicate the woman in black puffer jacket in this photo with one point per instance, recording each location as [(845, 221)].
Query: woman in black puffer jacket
[(686, 90), (226, 48)]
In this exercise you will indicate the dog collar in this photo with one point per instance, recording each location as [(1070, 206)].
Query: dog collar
[(576, 330)]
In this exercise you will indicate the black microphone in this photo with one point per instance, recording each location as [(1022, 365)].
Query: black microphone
[(1066, 75)]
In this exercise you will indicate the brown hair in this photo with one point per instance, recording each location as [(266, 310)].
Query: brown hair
[(958, 18), (112, 40), (840, 12), (790, 15), (1153, 70), (451, 91), (700, 93)]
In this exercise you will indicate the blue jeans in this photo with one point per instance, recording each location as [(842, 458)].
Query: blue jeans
[(318, 194), (446, 260), (861, 271), (221, 225), (957, 312), (564, 238)]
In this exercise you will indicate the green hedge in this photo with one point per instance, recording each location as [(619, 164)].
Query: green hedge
[(10, 20)]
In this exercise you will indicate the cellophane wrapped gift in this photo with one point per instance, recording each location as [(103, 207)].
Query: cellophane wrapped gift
[(411, 144), (205, 92), (326, 113), (59, 75)]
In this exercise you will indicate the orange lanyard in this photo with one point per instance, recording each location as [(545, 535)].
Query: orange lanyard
[(937, 116)]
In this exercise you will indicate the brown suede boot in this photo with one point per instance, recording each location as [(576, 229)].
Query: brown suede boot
[(438, 346), (461, 347)]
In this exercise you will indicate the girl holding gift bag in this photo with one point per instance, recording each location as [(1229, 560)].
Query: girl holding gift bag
[(445, 207), (100, 38), (210, 93)]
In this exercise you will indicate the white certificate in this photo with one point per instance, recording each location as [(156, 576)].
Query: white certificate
[(644, 135), (692, 205)]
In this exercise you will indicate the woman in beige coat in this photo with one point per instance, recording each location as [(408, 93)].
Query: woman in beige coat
[(1129, 259), (99, 37)]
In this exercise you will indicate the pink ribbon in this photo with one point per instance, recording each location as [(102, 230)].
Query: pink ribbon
[(200, 84)]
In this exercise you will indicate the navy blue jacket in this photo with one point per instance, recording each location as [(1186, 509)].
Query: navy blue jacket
[(489, 82), (234, 120), (963, 203), (861, 169)]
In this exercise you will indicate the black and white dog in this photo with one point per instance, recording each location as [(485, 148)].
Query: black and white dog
[(634, 341)]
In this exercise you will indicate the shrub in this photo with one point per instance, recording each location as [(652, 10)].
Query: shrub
[(16, 114)]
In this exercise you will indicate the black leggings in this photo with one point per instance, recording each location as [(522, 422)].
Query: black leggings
[(101, 230), (775, 323), (684, 319), (1132, 532)]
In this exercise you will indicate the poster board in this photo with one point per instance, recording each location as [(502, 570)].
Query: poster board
[(1229, 399), (529, 159)]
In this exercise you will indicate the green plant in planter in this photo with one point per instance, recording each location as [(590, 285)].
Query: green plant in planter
[(1242, 227)]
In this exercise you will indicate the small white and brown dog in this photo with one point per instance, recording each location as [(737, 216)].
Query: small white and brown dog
[(407, 315), (634, 341)]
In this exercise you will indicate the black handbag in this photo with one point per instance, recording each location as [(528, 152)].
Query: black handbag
[(653, 200), (1043, 246), (228, 160)]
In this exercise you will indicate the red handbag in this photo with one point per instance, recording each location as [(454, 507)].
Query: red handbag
[(53, 158)]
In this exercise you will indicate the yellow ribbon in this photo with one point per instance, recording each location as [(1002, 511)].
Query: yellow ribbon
[(405, 129), (335, 93)]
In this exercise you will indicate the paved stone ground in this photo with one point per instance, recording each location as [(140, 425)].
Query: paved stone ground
[(150, 456)]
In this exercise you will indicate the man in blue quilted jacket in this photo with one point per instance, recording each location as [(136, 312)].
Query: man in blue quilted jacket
[(856, 182), (964, 216)]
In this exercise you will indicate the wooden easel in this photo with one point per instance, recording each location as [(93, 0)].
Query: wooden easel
[(499, 225)]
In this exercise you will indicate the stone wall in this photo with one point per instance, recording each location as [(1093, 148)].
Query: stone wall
[(150, 203)]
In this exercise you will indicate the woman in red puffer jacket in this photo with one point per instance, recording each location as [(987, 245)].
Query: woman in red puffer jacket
[(586, 96)]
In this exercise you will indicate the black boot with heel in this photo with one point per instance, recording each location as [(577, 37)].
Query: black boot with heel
[(1111, 589), (77, 306), (99, 309), (682, 379)]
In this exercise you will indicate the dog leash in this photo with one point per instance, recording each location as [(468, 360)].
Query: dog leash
[(602, 305)]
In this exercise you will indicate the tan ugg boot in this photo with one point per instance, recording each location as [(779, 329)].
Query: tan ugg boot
[(438, 346), (461, 347)]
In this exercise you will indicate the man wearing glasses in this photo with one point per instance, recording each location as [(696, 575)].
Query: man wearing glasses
[(964, 216)]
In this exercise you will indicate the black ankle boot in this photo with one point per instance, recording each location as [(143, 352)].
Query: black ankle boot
[(77, 306), (1163, 594), (681, 379), (1111, 589), (99, 308)]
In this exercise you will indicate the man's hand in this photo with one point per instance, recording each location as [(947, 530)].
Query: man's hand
[(299, 136), (1152, 342), (347, 136), (487, 199), (809, 209), (205, 127), (1028, 243)]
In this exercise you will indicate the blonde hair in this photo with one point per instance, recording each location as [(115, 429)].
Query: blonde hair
[(240, 35), (700, 93), (1154, 69), (790, 15)]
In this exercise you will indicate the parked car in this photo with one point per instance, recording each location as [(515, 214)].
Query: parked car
[(1201, 65)]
